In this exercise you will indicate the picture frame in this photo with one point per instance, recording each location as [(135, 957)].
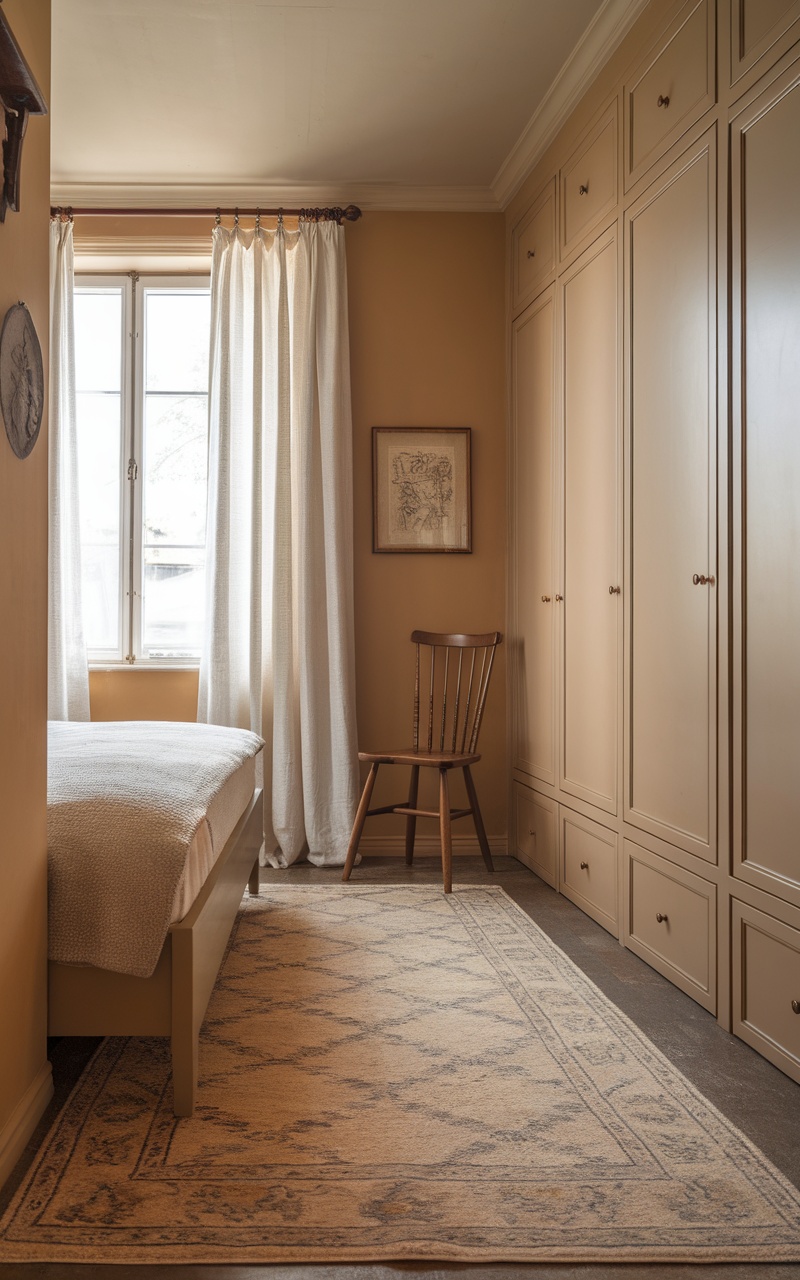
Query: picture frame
[(421, 490)]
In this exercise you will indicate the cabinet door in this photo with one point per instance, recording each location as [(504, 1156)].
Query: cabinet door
[(591, 527), (535, 832), (670, 718), (766, 256), (671, 89), (532, 540), (670, 921), (766, 986), (533, 248), (761, 31)]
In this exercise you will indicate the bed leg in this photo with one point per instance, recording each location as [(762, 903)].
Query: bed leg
[(252, 883), (185, 1026), (184, 1076)]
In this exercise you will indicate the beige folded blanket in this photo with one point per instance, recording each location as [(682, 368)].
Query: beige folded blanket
[(124, 800)]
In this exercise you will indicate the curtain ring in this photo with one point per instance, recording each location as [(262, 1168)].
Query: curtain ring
[(258, 220), (280, 218), (236, 219), (218, 218)]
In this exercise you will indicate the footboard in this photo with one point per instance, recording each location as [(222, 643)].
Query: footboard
[(198, 945)]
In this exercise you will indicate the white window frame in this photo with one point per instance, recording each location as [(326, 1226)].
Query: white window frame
[(133, 284)]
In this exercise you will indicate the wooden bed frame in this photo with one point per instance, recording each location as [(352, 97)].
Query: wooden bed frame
[(85, 1001)]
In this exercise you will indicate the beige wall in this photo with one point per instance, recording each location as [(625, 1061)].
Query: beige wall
[(24, 1075), (140, 694), (426, 298)]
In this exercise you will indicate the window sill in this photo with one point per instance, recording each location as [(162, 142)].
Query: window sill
[(144, 665)]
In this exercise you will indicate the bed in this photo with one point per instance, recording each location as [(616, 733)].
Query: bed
[(154, 830)]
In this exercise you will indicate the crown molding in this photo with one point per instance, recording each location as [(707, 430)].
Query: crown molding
[(377, 196), (604, 34)]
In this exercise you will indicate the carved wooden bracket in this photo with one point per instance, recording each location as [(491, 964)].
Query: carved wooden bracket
[(20, 96)]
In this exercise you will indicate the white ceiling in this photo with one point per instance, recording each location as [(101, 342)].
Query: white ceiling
[(393, 103)]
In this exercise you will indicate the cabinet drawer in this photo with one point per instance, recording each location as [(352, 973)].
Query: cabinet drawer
[(766, 982), (671, 922), (533, 243), (589, 868), (672, 88), (589, 181), (536, 832)]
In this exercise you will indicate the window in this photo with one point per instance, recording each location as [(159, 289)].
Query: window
[(141, 358)]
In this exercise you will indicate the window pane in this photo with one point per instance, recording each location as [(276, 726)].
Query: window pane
[(99, 477), (174, 518), (98, 340), (176, 341), (175, 462), (174, 588)]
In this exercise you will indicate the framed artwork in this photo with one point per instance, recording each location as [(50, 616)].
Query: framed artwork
[(421, 498)]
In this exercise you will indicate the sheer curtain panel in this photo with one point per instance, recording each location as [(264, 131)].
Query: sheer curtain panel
[(67, 672), (278, 652)]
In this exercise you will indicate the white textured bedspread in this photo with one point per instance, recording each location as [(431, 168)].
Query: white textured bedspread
[(124, 800)]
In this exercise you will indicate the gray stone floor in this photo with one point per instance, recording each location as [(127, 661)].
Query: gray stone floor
[(757, 1097)]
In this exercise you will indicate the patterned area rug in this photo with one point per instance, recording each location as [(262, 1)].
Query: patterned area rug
[(389, 1073)]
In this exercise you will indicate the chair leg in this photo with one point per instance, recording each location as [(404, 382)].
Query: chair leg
[(476, 814), (361, 817), (444, 831), (411, 823)]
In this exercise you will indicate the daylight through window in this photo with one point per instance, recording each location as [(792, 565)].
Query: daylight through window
[(141, 356)]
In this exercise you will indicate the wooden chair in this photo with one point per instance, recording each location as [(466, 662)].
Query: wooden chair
[(457, 738)]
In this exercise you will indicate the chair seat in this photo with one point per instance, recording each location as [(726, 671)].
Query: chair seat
[(431, 759)]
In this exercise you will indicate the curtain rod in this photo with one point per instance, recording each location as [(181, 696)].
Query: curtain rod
[(351, 213)]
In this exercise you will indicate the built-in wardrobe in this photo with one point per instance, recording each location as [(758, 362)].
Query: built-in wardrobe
[(654, 506)]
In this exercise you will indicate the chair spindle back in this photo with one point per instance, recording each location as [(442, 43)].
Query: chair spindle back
[(473, 669)]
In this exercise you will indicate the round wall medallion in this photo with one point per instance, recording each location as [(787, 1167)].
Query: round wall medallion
[(21, 380)]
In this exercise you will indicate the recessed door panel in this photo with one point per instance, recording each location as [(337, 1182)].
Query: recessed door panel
[(767, 173), (671, 709), (591, 559), (532, 586)]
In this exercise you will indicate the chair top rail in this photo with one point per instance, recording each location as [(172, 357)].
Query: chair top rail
[(457, 641)]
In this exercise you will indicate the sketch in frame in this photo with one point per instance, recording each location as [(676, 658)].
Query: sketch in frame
[(21, 380), (421, 489)]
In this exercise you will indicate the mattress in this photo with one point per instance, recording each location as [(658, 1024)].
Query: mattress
[(137, 813)]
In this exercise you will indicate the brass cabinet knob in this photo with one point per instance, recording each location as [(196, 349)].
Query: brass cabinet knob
[(559, 598), (614, 591), (583, 189), (531, 253), (545, 599), (700, 580), (661, 919), (662, 100), (796, 1006), (584, 866)]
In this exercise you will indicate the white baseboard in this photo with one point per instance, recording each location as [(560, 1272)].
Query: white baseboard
[(428, 846), (23, 1120)]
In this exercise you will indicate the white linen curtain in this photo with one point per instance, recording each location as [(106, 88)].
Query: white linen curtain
[(278, 654), (67, 671)]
